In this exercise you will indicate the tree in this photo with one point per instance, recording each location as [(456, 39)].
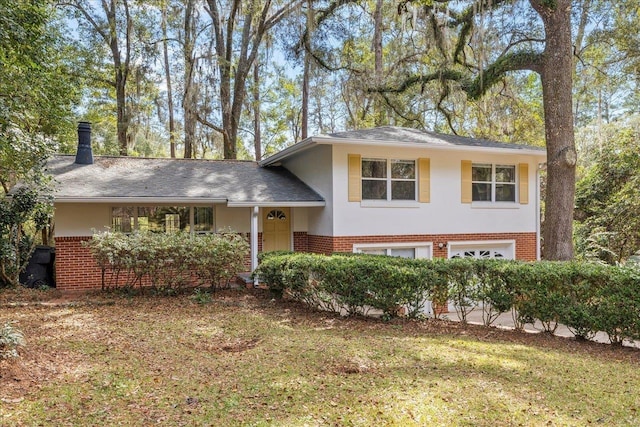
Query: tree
[(607, 209), (470, 66), (113, 24), (235, 58), (36, 96)]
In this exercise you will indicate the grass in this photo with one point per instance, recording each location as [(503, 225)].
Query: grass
[(243, 359)]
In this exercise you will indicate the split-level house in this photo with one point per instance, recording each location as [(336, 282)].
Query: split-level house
[(387, 190)]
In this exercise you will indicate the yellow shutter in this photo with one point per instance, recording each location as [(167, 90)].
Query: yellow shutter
[(355, 178), (524, 183), (424, 180), (466, 181)]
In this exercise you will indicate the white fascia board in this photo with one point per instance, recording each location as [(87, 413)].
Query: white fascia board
[(283, 204), (132, 200), (445, 147), (275, 158), (327, 140)]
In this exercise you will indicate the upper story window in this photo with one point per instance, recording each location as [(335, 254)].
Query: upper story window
[(493, 183), (163, 219), (384, 179)]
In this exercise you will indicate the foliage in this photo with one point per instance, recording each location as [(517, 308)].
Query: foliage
[(167, 261), (607, 208), (586, 297), (25, 212), (37, 89), (10, 339), (350, 284)]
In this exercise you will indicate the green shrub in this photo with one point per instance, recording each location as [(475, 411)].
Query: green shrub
[(586, 297), (10, 339), (168, 261)]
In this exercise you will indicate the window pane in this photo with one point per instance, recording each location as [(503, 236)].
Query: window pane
[(404, 252), (374, 251), (481, 173), (505, 192), (374, 168), (202, 219), (163, 218), (374, 190), (505, 174), (122, 219), (403, 190), (481, 192), (404, 169)]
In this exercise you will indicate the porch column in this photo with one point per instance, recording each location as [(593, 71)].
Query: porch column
[(254, 238)]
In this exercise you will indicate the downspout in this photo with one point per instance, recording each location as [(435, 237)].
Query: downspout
[(254, 241)]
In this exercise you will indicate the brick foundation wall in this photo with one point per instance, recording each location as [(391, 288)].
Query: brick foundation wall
[(525, 242), (77, 270), (300, 241), (75, 267)]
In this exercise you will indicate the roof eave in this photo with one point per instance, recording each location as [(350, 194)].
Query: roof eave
[(302, 145), (446, 147), (129, 200), (275, 204), (322, 139)]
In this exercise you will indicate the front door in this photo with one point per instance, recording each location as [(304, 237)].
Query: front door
[(276, 229)]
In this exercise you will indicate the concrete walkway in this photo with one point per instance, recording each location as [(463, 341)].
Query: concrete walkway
[(505, 321)]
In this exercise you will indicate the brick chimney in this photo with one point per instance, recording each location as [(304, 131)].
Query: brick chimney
[(84, 155)]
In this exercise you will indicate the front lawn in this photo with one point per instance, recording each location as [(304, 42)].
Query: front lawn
[(243, 359)]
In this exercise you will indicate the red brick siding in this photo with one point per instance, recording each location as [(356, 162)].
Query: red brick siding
[(77, 270), (300, 241), (75, 267), (525, 242)]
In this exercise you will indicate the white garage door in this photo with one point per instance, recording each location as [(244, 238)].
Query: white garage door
[(482, 250)]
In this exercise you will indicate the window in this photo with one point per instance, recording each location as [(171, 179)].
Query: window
[(493, 183), (384, 179), (163, 219), (482, 250), (403, 250)]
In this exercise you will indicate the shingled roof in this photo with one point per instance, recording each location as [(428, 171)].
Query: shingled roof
[(195, 181), (400, 134), (393, 136)]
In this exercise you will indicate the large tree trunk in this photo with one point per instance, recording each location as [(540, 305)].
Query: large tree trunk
[(556, 74), (257, 134), (167, 73), (122, 116), (378, 105), (189, 99)]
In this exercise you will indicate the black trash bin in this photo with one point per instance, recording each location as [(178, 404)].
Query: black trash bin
[(39, 271)]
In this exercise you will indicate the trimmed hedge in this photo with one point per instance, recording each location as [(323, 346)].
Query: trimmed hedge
[(168, 260), (586, 297)]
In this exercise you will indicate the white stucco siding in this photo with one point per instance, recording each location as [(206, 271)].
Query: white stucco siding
[(234, 219), (300, 217), (445, 214), (80, 219), (314, 167)]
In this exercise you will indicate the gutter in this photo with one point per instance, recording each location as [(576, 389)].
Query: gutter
[(128, 200)]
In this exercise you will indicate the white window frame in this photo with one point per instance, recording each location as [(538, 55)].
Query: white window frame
[(389, 180), (493, 183), (510, 246), (135, 226), (423, 250)]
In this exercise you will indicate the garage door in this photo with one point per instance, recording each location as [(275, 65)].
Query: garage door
[(482, 250)]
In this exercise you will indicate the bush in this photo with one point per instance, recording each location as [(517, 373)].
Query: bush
[(350, 284), (586, 297), (167, 261), (10, 339)]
